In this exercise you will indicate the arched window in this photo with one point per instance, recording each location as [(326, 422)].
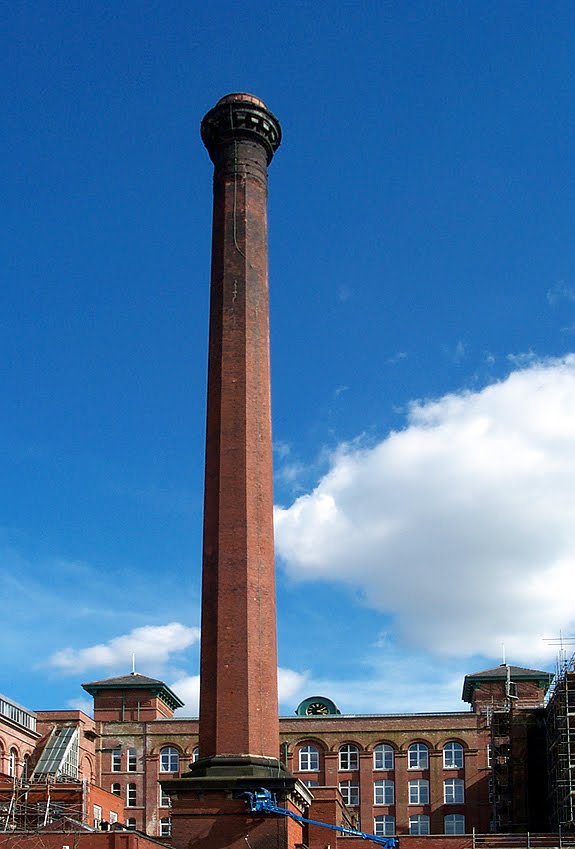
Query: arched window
[(25, 767), (419, 824), (169, 759), (383, 792), (454, 824), (195, 754), (384, 826), (383, 756), (12, 761), (418, 756), (349, 757), (308, 759), (453, 791), (453, 756)]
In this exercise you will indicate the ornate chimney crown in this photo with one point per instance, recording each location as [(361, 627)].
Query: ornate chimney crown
[(241, 116)]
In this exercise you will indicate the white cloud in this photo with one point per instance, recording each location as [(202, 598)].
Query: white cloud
[(290, 685), (187, 688), (462, 526), (151, 644)]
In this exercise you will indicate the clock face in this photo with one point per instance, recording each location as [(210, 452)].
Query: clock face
[(317, 709)]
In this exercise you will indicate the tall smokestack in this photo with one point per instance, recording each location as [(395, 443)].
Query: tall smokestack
[(238, 690)]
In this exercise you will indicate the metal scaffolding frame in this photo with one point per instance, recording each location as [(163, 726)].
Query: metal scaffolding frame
[(561, 746)]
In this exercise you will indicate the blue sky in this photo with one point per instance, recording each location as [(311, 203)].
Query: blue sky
[(422, 271)]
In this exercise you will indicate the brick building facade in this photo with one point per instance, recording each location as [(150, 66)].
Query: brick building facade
[(478, 770)]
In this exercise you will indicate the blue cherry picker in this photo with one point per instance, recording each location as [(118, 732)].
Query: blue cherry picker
[(262, 801)]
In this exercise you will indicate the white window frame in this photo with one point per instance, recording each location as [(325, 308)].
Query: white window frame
[(309, 759), (116, 788), (419, 824), (165, 801), (454, 824), (418, 756), (165, 827), (117, 760), (12, 761), (419, 791), (384, 825), (113, 817), (169, 758), (453, 757), (350, 792), (195, 754), (348, 757), (97, 816), (131, 795), (132, 760), (383, 792), (131, 822), (383, 756), (454, 791)]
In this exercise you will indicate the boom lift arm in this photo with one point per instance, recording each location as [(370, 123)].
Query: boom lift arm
[(261, 801)]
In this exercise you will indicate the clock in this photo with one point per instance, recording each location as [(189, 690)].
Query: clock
[(317, 706), (317, 709)]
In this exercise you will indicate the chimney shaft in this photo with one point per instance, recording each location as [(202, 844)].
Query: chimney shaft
[(238, 690)]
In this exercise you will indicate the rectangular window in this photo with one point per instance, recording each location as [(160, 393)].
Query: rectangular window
[(116, 789), (132, 760), (419, 824), (113, 817), (166, 827), (131, 796), (453, 791), (97, 816), (384, 826), (165, 801), (350, 792), (383, 793), (116, 760), (419, 792)]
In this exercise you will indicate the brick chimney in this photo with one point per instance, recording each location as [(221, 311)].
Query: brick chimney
[(239, 726)]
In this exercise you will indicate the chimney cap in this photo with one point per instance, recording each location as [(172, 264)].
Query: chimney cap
[(240, 115), (243, 96)]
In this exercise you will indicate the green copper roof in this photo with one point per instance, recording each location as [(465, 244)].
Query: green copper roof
[(135, 681)]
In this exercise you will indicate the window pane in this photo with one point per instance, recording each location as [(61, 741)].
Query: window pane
[(116, 760), (453, 791), (419, 792), (350, 792), (418, 757), (454, 824), (132, 760), (383, 757), (419, 824), (349, 757), (384, 826), (383, 792), (169, 759), (309, 759), (453, 756)]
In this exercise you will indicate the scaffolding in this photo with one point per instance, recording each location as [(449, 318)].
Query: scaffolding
[(561, 746)]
